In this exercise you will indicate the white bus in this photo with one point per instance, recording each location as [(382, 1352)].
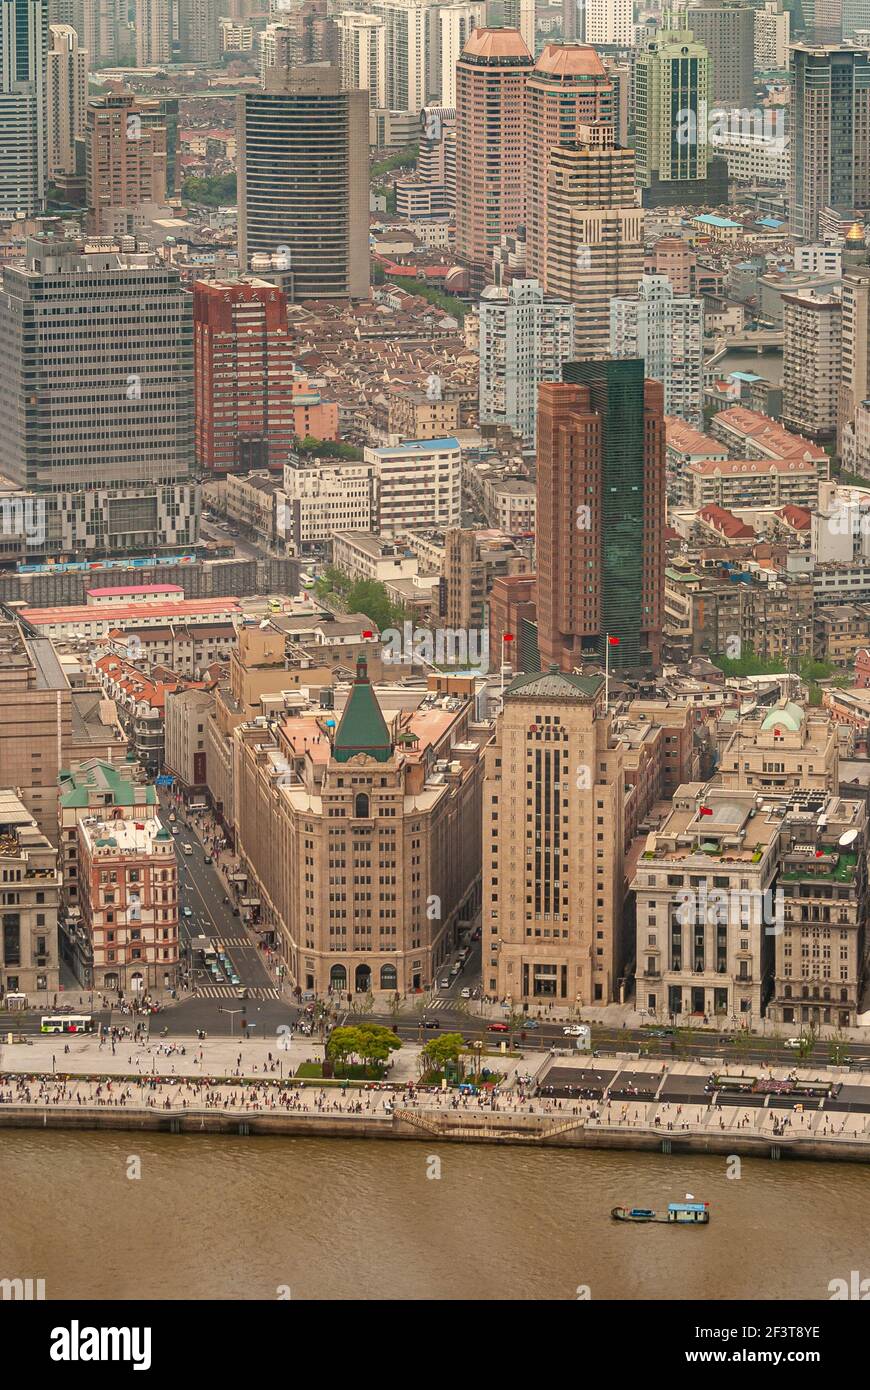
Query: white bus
[(67, 1023)]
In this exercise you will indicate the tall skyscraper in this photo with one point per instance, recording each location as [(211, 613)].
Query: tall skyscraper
[(727, 31), (830, 133), (96, 396), (567, 89), (811, 358), (514, 14), (65, 97), (363, 54), (772, 29), (525, 339), (490, 144), (601, 515), (102, 37), (125, 156), (573, 27), (855, 364), (199, 31), (243, 376), (23, 145), (594, 232), (671, 104), (553, 798), (410, 28), (456, 24), (153, 33), (667, 332), (303, 164), (609, 22)]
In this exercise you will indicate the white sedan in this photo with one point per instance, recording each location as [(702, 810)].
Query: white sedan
[(573, 1030), (793, 1043)]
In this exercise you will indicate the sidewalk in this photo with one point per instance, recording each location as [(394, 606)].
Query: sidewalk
[(220, 1056)]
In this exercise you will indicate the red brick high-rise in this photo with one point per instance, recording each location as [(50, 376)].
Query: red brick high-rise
[(490, 145), (600, 515), (243, 372)]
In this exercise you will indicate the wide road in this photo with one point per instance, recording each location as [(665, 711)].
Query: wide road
[(217, 1007)]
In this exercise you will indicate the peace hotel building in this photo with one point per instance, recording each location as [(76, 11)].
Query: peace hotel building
[(553, 876), (362, 842)]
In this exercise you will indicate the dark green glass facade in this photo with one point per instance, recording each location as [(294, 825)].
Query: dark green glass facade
[(616, 391)]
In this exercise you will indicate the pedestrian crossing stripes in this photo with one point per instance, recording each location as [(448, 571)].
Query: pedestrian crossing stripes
[(232, 992), (234, 941), (440, 1003)]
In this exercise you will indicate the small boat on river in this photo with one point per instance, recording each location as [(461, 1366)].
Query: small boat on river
[(677, 1214)]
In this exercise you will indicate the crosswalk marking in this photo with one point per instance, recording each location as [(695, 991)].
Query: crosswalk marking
[(231, 992)]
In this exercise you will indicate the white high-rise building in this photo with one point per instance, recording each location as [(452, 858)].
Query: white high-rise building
[(419, 484), (456, 23), (66, 97), (667, 331), (23, 146), (771, 37), (524, 340), (363, 54), (409, 35), (610, 21)]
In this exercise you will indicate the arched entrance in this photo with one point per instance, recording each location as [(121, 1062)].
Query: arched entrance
[(389, 978), (338, 978), (110, 981), (363, 979), (137, 982)]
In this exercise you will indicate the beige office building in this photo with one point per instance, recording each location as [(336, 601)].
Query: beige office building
[(780, 749), (35, 721), (361, 843), (699, 954), (29, 895), (594, 232), (812, 353), (553, 844), (66, 95)]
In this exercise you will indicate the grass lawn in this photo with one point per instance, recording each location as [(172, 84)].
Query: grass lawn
[(354, 1071)]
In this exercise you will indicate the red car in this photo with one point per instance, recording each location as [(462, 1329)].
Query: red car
[(498, 1028)]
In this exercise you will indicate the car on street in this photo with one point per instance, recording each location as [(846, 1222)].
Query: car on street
[(431, 1023), (186, 912), (660, 1033), (444, 982), (793, 1043), (234, 979), (207, 859), (188, 849), (465, 993), (531, 1023), (572, 1030), (498, 1028)]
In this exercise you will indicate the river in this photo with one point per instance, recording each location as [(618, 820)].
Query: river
[(232, 1218)]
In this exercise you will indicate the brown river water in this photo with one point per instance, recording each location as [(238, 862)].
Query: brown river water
[(263, 1218)]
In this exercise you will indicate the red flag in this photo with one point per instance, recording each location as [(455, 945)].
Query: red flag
[(368, 633), (819, 853), (508, 637), (705, 810), (614, 641)]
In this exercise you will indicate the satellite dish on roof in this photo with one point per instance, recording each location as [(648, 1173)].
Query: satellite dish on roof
[(847, 839)]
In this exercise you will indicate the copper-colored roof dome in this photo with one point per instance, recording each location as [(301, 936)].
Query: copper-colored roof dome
[(496, 43), (570, 60)]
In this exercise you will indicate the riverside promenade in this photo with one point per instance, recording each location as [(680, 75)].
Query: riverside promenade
[(246, 1088)]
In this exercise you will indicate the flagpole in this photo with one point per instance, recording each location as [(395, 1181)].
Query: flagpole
[(606, 672)]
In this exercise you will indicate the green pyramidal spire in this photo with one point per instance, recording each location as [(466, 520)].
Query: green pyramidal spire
[(362, 728)]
